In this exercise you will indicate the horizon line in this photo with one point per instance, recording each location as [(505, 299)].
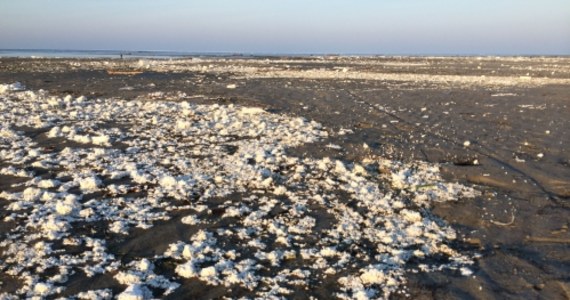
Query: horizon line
[(128, 52)]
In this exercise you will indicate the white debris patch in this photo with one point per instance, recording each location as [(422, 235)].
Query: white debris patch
[(139, 276), (106, 170), (6, 88)]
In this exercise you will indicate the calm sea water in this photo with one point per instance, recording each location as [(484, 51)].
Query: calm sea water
[(49, 53), (56, 53)]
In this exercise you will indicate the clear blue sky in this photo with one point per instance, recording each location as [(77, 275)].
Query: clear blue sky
[(291, 26)]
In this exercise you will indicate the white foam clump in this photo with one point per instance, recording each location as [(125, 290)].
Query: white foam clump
[(134, 292), (101, 140), (12, 87), (145, 265), (184, 156), (48, 183), (42, 288), (252, 110), (67, 206), (96, 295), (90, 184), (168, 182), (139, 276), (190, 220)]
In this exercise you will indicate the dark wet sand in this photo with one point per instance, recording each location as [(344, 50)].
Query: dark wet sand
[(519, 224)]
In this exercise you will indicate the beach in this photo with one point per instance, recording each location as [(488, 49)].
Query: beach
[(294, 177)]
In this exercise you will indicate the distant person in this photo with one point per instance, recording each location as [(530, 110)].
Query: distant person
[(121, 55)]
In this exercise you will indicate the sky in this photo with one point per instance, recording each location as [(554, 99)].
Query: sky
[(400, 27)]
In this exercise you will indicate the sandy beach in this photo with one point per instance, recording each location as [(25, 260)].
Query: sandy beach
[(287, 177)]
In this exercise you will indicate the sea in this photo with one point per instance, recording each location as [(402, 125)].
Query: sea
[(56, 53), (62, 53)]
